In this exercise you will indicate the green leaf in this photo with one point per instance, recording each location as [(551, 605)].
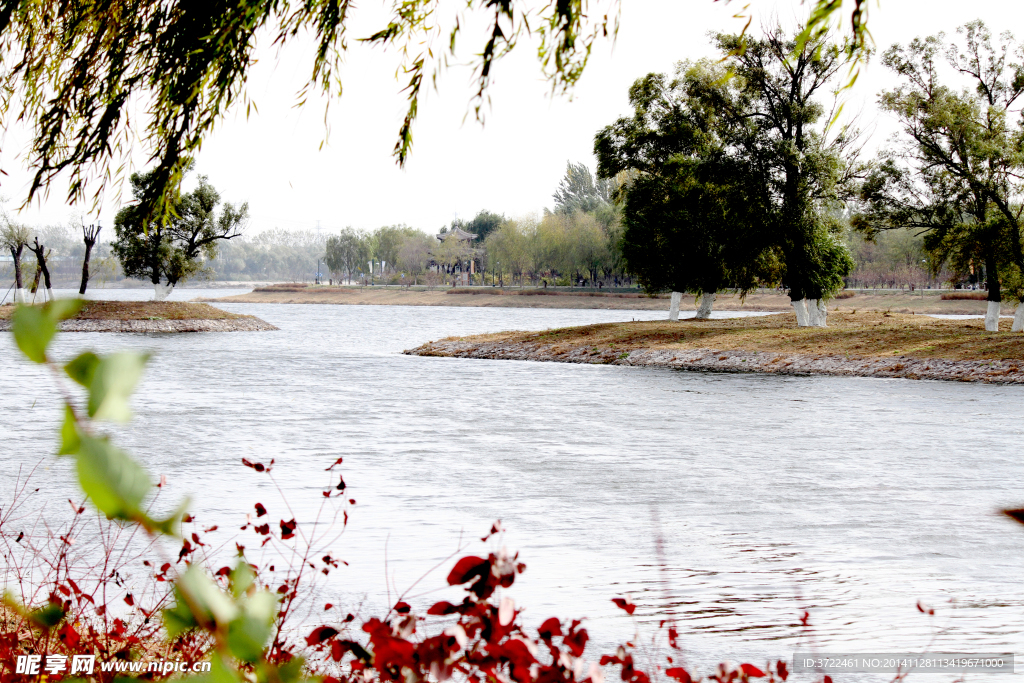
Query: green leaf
[(48, 616), (114, 482), (178, 618), (220, 672), (83, 368), (205, 596), (62, 309), (249, 632), (69, 440), (241, 578), (113, 381), (33, 331)]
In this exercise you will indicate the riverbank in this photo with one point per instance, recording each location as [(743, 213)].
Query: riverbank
[(151, 316), (866, 344), (927, 302)]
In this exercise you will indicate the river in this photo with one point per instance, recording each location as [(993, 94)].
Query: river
[(851, 498)]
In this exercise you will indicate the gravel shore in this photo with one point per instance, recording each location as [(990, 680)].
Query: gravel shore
[(246, 324), (710, 360)]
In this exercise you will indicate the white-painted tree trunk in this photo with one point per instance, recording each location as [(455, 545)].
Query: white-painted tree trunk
[(822, 313), (673, 309), (800, 308), (161, 292), (812, 313), (992, 317), (707, 300), (20, 296), (49, 294), (1018, 318)]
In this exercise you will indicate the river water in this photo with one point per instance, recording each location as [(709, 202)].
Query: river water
[(732, 503)]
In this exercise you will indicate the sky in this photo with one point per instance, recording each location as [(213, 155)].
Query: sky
[(512, 164)]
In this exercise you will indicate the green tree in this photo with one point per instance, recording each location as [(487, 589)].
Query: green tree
[(579, 190), (688, 209), (171, 251), (484, 223), (956, 175), (347, 253), (773, 119)]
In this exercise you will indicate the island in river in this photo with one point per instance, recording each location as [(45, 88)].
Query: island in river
[(927, 302), (868, 344), (151, 316)]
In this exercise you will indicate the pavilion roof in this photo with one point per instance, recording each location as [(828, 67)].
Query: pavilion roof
[(459, 233)]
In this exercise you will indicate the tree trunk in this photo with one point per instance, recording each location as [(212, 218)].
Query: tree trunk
[(994, 294), (822, 313), (85, 266), (800, 308), (161, 292), (812, 312), (673, 309), (707, 300), (992, 317), (1018, 318)]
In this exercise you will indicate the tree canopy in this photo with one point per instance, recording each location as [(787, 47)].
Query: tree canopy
[(955, 174), (77, 73), (173, 250)]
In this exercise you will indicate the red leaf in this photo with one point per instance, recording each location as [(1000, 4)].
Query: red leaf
[(262, 529), (466, 569), (336, 463), (130, 600), (320, 634), (212, 528), (186, 518), (442, 608), (826, 679), (805, 618), (575, 640), (673, 637), (402, 607), (782, 669), (260, 510), (69, 635), (624, 604), (751, 671), (287, 529), (551, 627), (679, 673), (258, 466), (223, 571), (327, 606)]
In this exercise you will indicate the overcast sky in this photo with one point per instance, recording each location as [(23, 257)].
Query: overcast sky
[(510, 165)]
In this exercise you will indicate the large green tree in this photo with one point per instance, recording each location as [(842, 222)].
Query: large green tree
[(955, 174), (169, 251), (774, 118), (689, 208)]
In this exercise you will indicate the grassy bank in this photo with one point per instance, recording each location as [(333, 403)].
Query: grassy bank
[(143, 310), (861, 334), (923, 302)]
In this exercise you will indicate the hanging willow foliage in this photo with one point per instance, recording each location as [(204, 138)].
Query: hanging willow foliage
[(78, 72)]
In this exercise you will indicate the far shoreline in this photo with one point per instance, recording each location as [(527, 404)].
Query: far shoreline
[(922, 302)]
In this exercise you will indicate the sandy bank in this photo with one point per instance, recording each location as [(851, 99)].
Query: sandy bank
[(151, 316), (927, 302), (862, 344)]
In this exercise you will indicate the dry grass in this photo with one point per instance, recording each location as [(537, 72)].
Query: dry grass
[(143, 310), (964, 296), (849, 334)]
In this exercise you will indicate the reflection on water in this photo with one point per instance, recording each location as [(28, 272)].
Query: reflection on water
[(850, 498)]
